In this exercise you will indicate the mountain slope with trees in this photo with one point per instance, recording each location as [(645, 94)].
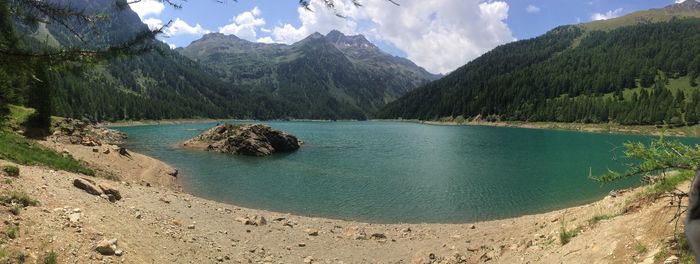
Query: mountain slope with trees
[(319, 80), (641, 72), (332, 76)]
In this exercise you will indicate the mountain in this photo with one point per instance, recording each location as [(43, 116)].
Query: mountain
[(319, 77), (154, 85), (636, 69)]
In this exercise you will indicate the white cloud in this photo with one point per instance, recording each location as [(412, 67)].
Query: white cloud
[(147, 7), (321, 20), (440, 36), (153, 23), (607, 15), (244, 25), (267, 40), (180, 27), (172, 46), (532, 9)]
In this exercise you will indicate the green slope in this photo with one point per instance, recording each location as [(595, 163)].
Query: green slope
[(582, 73)]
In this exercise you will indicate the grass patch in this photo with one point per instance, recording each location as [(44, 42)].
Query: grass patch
[(20, 198), (599, 217), (51, 258), (16, 116), (12, 231), (661, 255), (640, 248), (686, 256), (565, 235), (23, 151), (15, 209), (669, 183), (11, 170), (10, 256)]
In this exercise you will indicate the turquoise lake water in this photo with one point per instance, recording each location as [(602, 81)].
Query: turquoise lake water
[(390, 172)]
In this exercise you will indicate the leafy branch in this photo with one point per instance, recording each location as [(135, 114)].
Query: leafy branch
[(659, 156)]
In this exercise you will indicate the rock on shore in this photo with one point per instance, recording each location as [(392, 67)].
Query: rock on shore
[(250, 140), (76, 132)]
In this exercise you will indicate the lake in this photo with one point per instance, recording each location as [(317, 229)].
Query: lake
[(390, 172)]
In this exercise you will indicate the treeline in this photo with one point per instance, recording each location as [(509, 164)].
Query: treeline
[(565, 74)]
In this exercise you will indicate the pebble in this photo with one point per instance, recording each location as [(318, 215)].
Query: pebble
[(74, 217), (311, 232)]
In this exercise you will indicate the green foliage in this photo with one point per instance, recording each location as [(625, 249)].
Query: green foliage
[(599, 217), (686, 255), (12, 231), (659, 156), (10, 170), (21, 198), (670, 183), (549, 79), (640, 248), (23, 151), (10, 256), (51, 258), (565, 235), (16, 209), (16, 117)]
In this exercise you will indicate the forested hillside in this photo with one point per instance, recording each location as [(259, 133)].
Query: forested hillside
[(314, 80), (157, 84), (630, 71), (321, 77)]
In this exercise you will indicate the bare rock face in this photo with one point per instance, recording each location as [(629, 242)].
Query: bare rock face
[(250, 140)]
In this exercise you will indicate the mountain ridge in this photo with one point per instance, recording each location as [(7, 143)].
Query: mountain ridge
[(348, 72)]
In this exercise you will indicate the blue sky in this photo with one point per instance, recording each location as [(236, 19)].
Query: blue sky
[(439, 35)]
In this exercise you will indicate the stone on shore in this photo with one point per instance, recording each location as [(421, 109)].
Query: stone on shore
[(107, 247), (87, 185)]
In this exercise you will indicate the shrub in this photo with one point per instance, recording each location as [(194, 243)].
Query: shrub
[(11, 170), (20, 198), (12, 231), (51, 258), (15, 209), (565, 235)]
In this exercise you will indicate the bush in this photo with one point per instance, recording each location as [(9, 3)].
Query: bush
[(15, 209), (20, 198), (565, 235), (12, 231), (11, 170), (51, 258)]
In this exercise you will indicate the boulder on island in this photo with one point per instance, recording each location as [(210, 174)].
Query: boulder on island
[(250, 140)]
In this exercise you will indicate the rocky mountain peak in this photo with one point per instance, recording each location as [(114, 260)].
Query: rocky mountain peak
[(358, 41), (684, 7)]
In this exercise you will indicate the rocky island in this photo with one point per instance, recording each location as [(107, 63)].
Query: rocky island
[(250, 140)]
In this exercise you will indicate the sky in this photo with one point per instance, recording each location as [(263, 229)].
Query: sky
[(438, 35)]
